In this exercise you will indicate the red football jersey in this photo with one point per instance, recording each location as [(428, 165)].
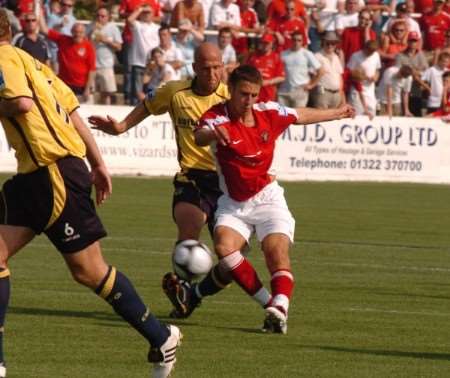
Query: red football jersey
[(287, 28), (434, 28), (244, 163), (270, 66)]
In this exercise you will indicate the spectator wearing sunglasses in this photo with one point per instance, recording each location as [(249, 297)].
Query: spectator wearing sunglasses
[(64, 20), (31, 41)]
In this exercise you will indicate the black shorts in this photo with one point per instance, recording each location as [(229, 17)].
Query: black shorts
[(200, 188), (55, 200)]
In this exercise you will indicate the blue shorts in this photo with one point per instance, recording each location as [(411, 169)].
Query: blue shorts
[(54, 200)]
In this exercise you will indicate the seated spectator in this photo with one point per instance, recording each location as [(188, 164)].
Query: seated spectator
[(364, 66), (284, 28), (229, 58), (434, 25), (249, 24), (394, 42), (329, 93), (187, 39), (31, 41), (433, 77), (303, 71), (107, 40), (157, 72), (76, 59), (172, 54), (393, 91), (349, 18), (355, 37), (269, 63), (192, 10), (145, 38), (225, 14)]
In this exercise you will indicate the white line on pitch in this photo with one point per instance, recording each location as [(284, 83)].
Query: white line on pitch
[(353, 309)]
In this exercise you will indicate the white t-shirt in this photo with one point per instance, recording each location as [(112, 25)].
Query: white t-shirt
[(231, 14), (229, 55), (433, 76), (174, 54), (145, 38), (398, 85), (158, 75), (297, 66), (369, 65), (346, 20), (333, 70)]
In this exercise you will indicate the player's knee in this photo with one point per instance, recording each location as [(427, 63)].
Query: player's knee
[(222, 250), (85, 277)]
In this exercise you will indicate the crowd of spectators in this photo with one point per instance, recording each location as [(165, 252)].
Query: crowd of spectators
[(384, 57)]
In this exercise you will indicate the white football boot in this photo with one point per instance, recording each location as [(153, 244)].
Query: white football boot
[(275, 321), (163, 358)]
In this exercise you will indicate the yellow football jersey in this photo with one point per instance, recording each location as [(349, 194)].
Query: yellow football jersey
[(185, 108), (45, 133)]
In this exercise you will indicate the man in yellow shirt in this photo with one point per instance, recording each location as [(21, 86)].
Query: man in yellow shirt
[(51, 193)]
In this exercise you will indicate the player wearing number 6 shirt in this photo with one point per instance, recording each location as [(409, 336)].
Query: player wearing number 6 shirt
[(51, 193), (243, 135)]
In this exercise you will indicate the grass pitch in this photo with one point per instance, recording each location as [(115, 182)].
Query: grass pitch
[(372, 295)]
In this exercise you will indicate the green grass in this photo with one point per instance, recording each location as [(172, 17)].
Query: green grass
[(372, 295)]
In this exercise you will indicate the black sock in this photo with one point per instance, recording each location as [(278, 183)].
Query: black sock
[(119, 292), (4, 299), (212, 283)]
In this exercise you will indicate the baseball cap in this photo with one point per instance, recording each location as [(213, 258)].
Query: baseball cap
[(413, 36), (267, 38)]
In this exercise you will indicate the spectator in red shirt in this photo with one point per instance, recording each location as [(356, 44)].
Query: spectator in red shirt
[(287, 25), (76, 59), (354, 38), (269, 63), (434, 24), (249, 24)]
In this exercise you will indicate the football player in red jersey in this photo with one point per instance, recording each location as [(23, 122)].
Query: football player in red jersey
[(243, 133)]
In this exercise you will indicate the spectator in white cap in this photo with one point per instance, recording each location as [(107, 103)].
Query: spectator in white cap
[(329, 92)]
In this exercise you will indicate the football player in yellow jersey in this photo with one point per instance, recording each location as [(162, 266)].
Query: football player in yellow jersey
[(196, 186), (51, 193)]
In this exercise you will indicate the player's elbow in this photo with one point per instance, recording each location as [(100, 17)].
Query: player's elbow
[(21, 105)]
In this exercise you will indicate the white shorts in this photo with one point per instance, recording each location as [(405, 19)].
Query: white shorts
[(105, 81), (265, 213)]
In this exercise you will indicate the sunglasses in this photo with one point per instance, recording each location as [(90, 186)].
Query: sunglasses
[(30, 20)]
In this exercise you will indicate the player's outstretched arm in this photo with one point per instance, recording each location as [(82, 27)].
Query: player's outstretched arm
[(111, 126), (311, 115), (100, 176)]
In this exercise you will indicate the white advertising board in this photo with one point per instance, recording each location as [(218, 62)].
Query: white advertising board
[(397, 149)]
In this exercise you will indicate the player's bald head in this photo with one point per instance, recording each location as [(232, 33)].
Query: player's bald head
[(207, 51)]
